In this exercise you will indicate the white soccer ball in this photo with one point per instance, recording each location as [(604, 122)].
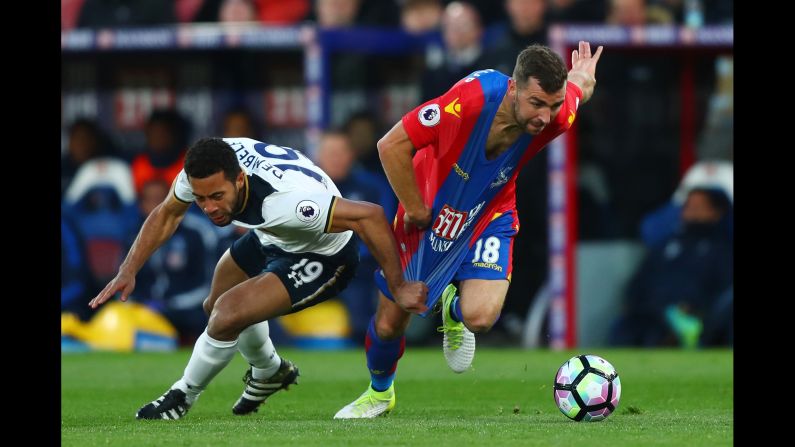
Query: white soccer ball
[(587, 388)]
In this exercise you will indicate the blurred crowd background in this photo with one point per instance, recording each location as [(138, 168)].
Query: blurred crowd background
[(654, 152)]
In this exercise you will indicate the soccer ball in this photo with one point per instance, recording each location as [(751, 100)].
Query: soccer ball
[(587, 388)]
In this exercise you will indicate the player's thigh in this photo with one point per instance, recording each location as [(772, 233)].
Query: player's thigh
[(243, 260), (485, 274), (288, 283), (481, 301), (254, 300)]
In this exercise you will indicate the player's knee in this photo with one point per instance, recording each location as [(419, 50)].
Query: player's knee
[(388, 330), (208, 306), (224, 324), (480, 323)]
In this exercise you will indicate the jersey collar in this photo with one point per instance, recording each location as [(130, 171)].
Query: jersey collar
[(248, 190)]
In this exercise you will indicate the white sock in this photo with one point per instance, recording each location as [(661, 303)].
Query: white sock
[(209, 357), (257, 348)]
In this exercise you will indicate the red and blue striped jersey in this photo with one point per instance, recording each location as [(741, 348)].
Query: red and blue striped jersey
[(465, 189)]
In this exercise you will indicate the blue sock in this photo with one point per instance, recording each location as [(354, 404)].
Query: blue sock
[(455, 310), (382, 357)]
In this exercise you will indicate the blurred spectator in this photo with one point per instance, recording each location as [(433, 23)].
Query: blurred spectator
[(238, 122), (683, 283), (461, 33), (70, 11), (364, 130), (77, 287), (489, 10), (272, 12), (717, 139), (100, 201), (336, 13), (637, 13), (176, 278), (166, 135), (187, 11), (576, 11), (420, 16), (335, 156), (126, 13), (712, 12), (282, 12), (385, 14), (658, 225), (86, 141), (237, 11), (527, 26)]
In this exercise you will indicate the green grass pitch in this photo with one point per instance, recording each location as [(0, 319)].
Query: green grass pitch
[(669, 397)]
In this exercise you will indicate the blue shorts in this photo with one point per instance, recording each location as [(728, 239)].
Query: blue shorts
[(309, 278), (490, 257)]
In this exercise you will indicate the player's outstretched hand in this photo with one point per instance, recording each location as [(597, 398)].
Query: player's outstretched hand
[(581, 60), (122, 282), (411, 296)]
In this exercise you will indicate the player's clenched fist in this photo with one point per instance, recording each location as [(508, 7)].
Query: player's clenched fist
[(411, 296)]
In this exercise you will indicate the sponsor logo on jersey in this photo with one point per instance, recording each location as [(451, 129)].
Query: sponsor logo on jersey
[(429, 115), (571, 117), (449, 225), (460, 172), (502, 177), (453, 108), (307, 211), (488, 265), (439, 245)]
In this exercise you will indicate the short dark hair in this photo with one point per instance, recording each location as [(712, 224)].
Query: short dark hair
[(209, 156), (540, 62)]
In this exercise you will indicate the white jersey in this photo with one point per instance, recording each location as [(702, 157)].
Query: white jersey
[(289, 202)]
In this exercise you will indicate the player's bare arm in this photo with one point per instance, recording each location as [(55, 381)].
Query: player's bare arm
[(583, 69), (368, 221), (396, 152), (158, 227)]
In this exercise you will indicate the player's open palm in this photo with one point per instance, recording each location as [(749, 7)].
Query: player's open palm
[(411, 296), (122, 282), (582, 60)]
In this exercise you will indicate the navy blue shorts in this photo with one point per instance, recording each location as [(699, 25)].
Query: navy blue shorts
[(308, 277)]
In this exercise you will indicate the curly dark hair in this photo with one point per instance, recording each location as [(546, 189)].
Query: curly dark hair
[(540, 62), (209, 156)]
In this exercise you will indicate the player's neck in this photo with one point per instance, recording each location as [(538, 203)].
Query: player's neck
[(504, 130), (504, 123)]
